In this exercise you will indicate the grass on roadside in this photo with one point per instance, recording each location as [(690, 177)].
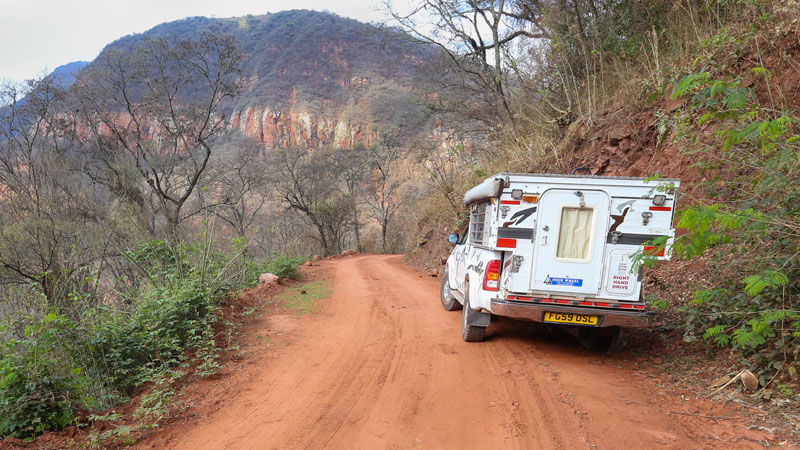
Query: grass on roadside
[(303, 297)]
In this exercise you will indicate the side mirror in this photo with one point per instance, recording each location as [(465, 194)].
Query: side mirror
[(453, 238)]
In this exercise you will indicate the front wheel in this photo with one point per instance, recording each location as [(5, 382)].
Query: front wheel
[(470, 333), (449, 303)]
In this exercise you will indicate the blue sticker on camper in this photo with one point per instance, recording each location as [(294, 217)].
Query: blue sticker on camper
[(565, 281)]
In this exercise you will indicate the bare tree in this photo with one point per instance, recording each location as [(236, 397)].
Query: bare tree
[(160, 103), (477, 37), (384, 184), (443, 174), (307, 182), (354, 167), (49, 210), (237, 184)]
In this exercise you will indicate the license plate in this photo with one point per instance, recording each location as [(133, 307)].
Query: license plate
[(578, 319)]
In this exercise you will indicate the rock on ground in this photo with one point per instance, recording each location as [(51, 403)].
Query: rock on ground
[(268, 278)]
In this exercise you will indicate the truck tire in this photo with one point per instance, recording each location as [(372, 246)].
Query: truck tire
[(470, 333), (597, 339), (449, 303)]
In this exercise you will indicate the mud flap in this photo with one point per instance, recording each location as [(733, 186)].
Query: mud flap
[(478, 318)]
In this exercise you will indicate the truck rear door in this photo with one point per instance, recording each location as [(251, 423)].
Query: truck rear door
[(570, 239)]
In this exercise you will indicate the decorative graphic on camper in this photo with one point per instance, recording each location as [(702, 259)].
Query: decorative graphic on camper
[(520, 216), (618, 219)]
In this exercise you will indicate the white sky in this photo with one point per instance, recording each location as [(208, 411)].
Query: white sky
[(36, 36)]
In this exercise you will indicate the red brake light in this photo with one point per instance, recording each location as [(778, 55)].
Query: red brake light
[(491, 278)]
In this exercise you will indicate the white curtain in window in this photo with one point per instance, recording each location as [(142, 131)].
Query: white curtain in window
[(575, 235)]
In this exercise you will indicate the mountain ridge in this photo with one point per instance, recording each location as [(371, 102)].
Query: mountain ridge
[(64, 75), (311, 78)]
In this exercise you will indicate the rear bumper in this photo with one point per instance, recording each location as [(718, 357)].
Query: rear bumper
[(607, 317)]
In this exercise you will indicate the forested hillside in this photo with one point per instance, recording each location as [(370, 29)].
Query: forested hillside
[(311, 79)]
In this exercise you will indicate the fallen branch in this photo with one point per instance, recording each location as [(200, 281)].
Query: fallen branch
[(749, 381)]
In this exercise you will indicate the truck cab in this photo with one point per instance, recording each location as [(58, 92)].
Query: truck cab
[(558, 249)]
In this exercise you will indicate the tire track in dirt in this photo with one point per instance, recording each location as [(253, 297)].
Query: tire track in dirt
[(533, 407), (382, 365), (361, 375)]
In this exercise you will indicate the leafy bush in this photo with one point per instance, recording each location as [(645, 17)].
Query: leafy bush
[(155, 334), (57, 365), (750, 228), (39, 387), (284, 266)]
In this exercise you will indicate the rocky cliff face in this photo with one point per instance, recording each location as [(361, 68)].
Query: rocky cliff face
[(277, 129), (313, 79)]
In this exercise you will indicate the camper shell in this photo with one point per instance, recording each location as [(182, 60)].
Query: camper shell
[(558, 249)]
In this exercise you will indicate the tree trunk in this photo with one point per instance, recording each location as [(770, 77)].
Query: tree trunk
[(358, 234), (582, 37), (323, 240), (383, 237)]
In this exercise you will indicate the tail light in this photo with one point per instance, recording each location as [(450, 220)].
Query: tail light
[(491, 279)]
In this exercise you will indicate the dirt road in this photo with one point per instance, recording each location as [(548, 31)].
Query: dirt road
[(382, 365)]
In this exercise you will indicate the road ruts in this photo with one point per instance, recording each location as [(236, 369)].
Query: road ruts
[(382, 366)]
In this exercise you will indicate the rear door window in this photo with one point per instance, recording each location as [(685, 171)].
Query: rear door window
[(575, 234)]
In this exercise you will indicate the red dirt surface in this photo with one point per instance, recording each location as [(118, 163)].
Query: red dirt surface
[(382, 365)]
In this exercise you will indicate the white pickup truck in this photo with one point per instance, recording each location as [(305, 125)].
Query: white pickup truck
[(557, 249)]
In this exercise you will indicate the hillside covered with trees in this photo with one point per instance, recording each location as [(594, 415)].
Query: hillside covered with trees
[(309, 78)]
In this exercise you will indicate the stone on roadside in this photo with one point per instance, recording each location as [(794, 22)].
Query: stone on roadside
[(267, 279)]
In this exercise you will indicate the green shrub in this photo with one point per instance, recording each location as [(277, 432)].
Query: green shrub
[(155, 334), (284, 266), (39, 385), (750, 227), (55, 365)]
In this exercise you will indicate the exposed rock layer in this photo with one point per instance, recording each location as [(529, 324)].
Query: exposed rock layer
[(288, 129)]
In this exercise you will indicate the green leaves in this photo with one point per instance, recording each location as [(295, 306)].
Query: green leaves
[(284, 266), (717, 335), (749, 235), (37, 391), (769, 279), (689, 84), (736, 98), (92, 361)]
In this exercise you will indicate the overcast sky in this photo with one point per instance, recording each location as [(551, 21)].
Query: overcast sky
[(36, 36)]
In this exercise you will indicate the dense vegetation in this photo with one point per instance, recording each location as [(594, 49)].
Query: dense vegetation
[(90, 354), (749, 221)]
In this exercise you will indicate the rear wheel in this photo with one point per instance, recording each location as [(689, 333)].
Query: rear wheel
[(597, 339), (448, 301), (470, 333)]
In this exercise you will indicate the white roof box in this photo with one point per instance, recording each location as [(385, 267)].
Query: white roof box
[(488, 189)]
